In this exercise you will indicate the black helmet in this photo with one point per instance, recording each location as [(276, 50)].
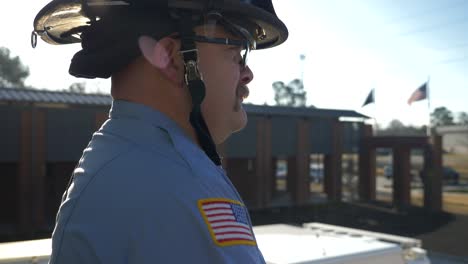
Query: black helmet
[(109, 30), (110, 27), (61, 21)]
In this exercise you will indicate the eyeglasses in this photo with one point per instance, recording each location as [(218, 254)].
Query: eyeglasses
[(244, 44)]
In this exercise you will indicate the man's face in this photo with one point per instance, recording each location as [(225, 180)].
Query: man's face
[(226, 86)]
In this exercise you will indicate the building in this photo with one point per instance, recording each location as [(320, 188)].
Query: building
[(455, 138), (45, 132)]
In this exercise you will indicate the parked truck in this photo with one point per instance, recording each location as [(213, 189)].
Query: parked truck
[(314, 243)]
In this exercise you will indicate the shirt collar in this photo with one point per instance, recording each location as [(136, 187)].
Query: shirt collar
[(125, 109)]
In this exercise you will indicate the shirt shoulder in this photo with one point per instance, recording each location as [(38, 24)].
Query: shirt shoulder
[(136, 199)]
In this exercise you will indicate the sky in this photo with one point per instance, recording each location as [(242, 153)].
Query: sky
[(350, 47)]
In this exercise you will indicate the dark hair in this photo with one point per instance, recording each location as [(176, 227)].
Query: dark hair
[(111, 43)]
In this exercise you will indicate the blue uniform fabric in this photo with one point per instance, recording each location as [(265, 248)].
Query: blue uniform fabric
[(136, 194)]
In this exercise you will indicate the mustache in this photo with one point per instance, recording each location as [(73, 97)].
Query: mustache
[(242, 91)]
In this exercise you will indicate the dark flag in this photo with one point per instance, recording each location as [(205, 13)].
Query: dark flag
[(419, 94), (370, 98)]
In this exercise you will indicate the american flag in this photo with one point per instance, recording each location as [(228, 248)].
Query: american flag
[(419, 94), (227, 221)]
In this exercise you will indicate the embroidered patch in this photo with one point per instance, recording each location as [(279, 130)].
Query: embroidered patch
[(227, 221)]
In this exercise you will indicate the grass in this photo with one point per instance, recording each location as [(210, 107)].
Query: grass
[(458, 162), (451, 202), (459, 191)]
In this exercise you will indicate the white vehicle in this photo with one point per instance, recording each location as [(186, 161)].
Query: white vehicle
[(26, 252), (328, 244), (313, 243)]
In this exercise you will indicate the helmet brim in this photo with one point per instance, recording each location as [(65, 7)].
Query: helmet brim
[(61, 21)]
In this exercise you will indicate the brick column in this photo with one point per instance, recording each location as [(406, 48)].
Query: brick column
[(24, 196), (38, 179), (433, 175), (401, 176), (260, 171), (301, 194), (332, 163), (264, 170), (367, 166), (269, 168)]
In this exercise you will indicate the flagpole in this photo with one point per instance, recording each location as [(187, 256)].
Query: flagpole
[(428, 129), (376, 129), (375, 113), (371, 99)]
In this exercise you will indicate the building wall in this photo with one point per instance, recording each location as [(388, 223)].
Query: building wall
[(456, 143), (283, 136), (243, 143), (10, 120), (68, 132), (242, 174), (454, 139), (40, 147), (57, 177), (8, 205)]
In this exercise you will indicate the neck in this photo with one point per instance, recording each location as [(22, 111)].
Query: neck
[(159, 93)]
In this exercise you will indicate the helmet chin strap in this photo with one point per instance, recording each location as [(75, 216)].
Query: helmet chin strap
[(196, 86)]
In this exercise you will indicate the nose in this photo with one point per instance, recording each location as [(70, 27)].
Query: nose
[(246, 76)]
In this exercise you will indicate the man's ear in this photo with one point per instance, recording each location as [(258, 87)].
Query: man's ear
[(163, 55)]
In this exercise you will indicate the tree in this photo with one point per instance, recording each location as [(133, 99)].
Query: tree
[(12, 71), (396, 125), (292, 94), (77, 87), (397, 128), (463, 118), (281, 93), (441, 116)]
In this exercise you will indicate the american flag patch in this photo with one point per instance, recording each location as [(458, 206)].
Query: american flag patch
[(227, 221)]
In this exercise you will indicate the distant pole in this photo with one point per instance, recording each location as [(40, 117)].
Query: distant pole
[(374, 114), (428, 129), (376, 125), (302, 57), (376, 128)]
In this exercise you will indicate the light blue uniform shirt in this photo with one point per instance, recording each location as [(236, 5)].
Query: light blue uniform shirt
[(143, 192)]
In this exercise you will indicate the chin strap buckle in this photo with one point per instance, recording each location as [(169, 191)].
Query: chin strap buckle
[(34, 39), (191, 66)]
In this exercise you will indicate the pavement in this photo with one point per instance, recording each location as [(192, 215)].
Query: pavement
[(449, 238), (438, 258)]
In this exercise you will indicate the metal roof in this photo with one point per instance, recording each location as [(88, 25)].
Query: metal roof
[(300, 111), (452, 129), (52, 97), (16, 95)]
